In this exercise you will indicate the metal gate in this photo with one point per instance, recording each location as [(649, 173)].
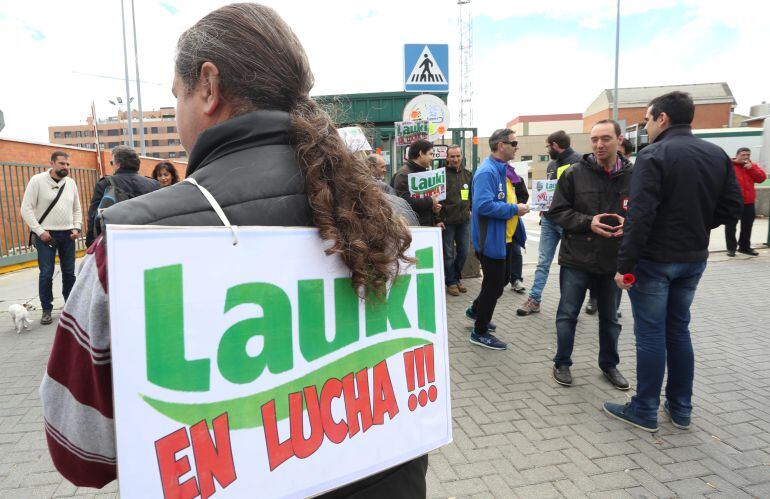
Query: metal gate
[(14, 233)]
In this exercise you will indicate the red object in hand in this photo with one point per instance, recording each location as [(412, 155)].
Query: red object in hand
[(629, 278)]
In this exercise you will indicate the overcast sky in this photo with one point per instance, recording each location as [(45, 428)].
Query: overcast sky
[(548, 56)]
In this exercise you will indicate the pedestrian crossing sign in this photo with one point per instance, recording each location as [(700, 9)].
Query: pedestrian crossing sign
[(426, 68)]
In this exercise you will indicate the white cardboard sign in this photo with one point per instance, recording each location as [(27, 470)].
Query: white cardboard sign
[(255, 370), (428, 183)]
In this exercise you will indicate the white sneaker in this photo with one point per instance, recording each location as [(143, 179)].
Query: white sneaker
[(518, 286)]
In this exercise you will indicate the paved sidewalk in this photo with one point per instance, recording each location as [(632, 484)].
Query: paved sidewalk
[(517, 433)]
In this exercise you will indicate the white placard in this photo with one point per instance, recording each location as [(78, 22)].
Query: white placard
[(428, 183), (354, 138), (236, 369), (542, 194)]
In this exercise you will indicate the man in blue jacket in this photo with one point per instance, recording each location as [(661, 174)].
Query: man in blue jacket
[(494, 208)]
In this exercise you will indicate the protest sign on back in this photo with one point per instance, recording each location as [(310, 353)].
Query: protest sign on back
[(264, 374)]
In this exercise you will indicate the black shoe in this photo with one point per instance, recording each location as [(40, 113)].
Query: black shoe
[(45, 318), (617, 379), (730, 252), (620, 314), (562, 375), (749, 252), (591, 306)]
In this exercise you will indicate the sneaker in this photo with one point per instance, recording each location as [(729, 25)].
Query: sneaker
[(472, 317), (461, 288), (452, 290), (749, 252), (621, 412), (591, 306), (518, 286), (46, 317), (562, 375), (528, 307), (617, 379), (683, 423), (730, 252), (487, 341)]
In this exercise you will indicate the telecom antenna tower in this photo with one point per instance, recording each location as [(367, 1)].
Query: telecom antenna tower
[(465, 25)]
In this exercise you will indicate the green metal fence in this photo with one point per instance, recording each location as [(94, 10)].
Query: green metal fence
[(14, 233)]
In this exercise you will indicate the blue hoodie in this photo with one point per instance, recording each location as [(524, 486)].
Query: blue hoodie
[(491, 211)]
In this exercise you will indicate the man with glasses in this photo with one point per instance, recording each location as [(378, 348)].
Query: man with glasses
[(494, 224), (51, 209), (562, 156)]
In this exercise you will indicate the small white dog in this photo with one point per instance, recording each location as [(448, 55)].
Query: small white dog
[(20, 316)]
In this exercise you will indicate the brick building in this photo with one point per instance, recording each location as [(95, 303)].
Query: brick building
[(714, 104), (545, 124), (160, 133)]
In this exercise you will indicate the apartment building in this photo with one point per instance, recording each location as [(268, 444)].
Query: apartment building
[(161, 138)]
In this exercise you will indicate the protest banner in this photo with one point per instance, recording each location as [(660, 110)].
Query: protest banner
[(354, 138), (408, 132), (542, 194), (428, 183), (264, 374)]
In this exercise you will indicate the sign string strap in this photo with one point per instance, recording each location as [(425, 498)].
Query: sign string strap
[(217, 209)]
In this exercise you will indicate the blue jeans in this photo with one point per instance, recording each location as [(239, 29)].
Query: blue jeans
[(46, 262), (573, 284), (660, 300), (457, 239), (550, 235)]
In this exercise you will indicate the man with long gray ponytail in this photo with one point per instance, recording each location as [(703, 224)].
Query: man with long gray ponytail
[(270, 156)]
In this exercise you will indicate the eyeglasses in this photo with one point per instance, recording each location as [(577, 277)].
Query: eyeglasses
[(513, 143)]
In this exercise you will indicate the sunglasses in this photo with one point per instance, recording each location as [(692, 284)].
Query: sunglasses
[(513, 143)]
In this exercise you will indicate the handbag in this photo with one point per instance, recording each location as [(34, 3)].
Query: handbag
[(32, 235)]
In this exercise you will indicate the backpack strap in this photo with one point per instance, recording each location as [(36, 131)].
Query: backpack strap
[(217, 209)]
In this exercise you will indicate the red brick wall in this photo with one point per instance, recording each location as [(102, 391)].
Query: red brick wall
[(706, 116), (13, 232)]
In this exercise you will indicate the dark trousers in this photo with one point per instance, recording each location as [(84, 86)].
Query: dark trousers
[(456, 239), (573, 284), (515, 261), (747, 222), (46, 262), (492, 286)]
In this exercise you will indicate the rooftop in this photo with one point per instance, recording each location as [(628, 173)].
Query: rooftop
[(702, 93)]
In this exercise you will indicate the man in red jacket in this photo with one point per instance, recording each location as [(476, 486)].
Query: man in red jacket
[(747, 174)]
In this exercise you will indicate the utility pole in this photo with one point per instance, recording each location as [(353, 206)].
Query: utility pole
[(617, 58), (138, 84), (128, 90), (465, 27)]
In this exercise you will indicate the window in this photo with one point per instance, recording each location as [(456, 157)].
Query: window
[(136, 132), (181, 154), (57, 135), (544, 157), (173, 142), (113, 144), (67, 135), (154, 129), (78, 133), (171, 129), (155, 143), (526, 158), (172, 155), (113, 132)]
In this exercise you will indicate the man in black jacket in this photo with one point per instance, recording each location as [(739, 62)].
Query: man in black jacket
[(420, 156), (590, 203), (126, 178), (682, 188), (455, 214), (562, 156)]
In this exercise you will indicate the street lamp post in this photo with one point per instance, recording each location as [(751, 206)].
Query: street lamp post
[(138, 84), (617, 58), (128, 90)]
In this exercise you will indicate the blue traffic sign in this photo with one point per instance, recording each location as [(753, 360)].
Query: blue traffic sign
[(426, 68)]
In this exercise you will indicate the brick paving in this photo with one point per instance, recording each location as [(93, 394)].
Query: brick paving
[(517, 433)]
